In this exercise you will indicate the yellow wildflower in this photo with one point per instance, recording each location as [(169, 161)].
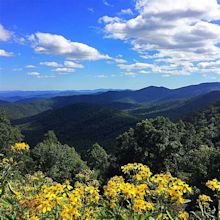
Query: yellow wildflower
[(213, 185), (141, 206), (183, 215), (204, 199), (20, 147)]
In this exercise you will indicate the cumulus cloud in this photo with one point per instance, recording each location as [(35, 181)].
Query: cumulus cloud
[(71, 64), (4, 53), (4, 34), (64, 70), (40, 76), (135, 66), (58, 45), (209, 66), (67, 67), (175, 32), (50, 64), (171, 69)]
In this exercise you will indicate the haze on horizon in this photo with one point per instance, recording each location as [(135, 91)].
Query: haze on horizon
[(73, 45)]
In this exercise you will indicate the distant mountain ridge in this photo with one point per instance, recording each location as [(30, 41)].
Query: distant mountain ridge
[(25, 96), (121, 100), (146, 95), (82, 120)]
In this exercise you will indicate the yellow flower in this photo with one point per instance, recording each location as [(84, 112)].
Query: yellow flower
[(141, 206), (140, 171), (204, 199), (20, 147), (213, 185), (183, 215), (128, 190)]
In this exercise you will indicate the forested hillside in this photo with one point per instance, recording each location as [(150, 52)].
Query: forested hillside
[(82, 124), (187, 149), (78, 125), (86, 139)]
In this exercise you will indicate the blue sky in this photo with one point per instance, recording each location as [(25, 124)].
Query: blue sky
[(89, 44)]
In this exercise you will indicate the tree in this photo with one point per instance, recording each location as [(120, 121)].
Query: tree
[(155, 142), (97, 158), (9, 135), (57, 161), (201, 164)]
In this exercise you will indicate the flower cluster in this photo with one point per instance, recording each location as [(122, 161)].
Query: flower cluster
[(63, 200), (204, 199), (141, 195), (20, 147), (213, 185), (144, 192)]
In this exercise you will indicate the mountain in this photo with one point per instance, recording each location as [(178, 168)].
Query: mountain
[(188, 107), (79, 125), (148, 95), (193, 90), (20, 110), (27, 96), (141, 103)]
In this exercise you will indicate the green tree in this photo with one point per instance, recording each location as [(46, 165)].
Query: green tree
[(9, 135), (57, 161), (98, 160), (155, 142), (201, 164)]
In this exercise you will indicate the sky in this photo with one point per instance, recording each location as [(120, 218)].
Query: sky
[(118, 44)]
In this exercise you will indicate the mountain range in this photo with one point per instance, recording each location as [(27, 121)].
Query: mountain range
[(83, 119)]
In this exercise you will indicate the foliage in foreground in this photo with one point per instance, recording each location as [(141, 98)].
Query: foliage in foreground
[(138, 195)]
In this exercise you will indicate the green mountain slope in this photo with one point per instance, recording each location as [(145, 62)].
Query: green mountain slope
[(78, 125), (181, 109), (146, 102)]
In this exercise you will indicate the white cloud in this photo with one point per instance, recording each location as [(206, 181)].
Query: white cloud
[(33, 73), (171, 69), (106, 3), (4, 34), (58, 45), (127, 11), (177, 32), (107, 19), (50, 64), (4, 53), (64, 70), (206, 67), (135, 66), (71, 64), (40, 76), (30, 66), (119, 60), (144, 72)]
